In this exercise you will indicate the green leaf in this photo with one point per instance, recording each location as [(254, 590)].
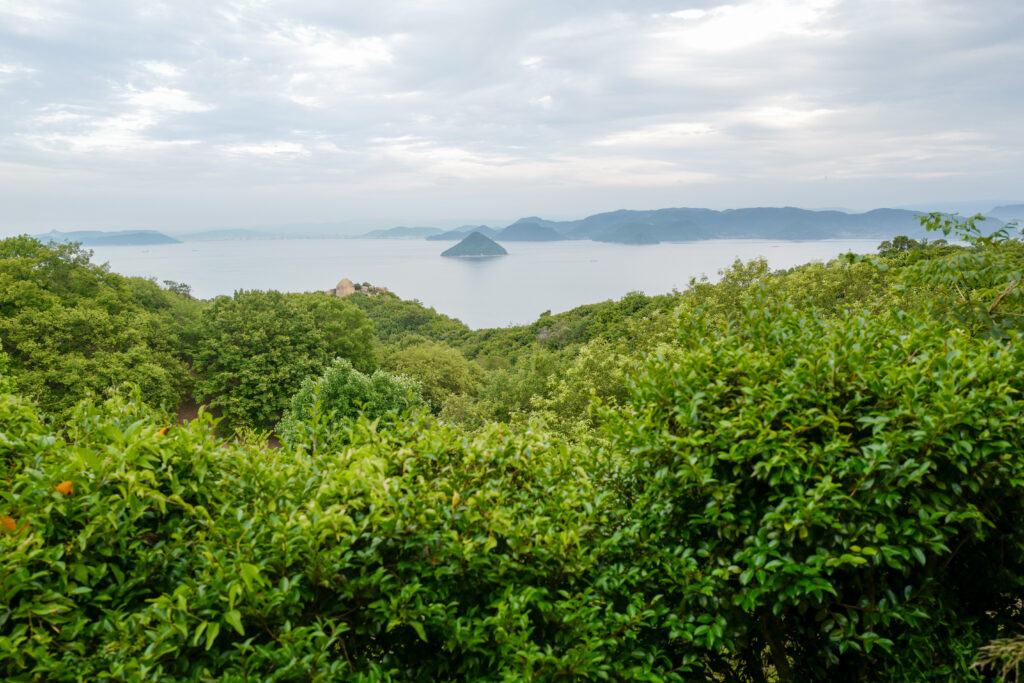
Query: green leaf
[(234, 619), (249, 573), (212, 630)]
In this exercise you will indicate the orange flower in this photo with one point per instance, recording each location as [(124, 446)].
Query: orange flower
[(65, 487), (163, 430), (8, 523)]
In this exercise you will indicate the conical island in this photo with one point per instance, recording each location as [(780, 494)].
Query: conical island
[(475, 245)]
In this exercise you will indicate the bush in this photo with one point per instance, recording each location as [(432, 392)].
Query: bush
[(256, 348), (831, 499), (416, 554), (321, 412), (441, 370)]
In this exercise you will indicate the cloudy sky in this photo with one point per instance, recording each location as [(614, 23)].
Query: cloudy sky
[(188, 114)]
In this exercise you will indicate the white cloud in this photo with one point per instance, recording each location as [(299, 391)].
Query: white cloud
[(689, 14), (12, 72), (80, 130), (658, 135), (318, 48), (158, 101), (27, 15), (544, 102), (268, 150), (162, 69), (732, 27), (440, 159), (781, 116), (426, 162), (11, 69), (491, 103)]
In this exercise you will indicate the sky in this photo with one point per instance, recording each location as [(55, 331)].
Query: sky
[(183, 115)]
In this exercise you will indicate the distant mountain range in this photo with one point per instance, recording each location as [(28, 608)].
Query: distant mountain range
[(688, 224), (529, 230), (402, 233), (99, 238), (685, 225), (460, 233), (228, 234), (1010, 212), (623, 226)]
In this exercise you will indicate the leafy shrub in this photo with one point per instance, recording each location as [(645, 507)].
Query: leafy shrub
[(828, 498), (412, 554), (977, 287), (321, 411)]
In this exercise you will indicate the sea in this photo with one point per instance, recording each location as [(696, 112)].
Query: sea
[(483, 293)]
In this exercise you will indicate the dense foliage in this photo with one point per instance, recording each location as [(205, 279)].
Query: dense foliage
[(256, 348), (441, 370), (840, 496), (319, 411), (783, 476), (71, 328)]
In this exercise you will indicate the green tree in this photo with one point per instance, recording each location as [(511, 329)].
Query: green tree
[(598, 373), (320, 413), (441, 370), (72, 328), (256, 348)]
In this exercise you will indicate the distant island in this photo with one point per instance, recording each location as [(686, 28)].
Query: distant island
[(459, 233), (527, 230), (402, 233), (99, 238), (689, 225), (475, 245)]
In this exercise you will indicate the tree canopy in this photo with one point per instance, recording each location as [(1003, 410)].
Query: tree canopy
[(256, 348)]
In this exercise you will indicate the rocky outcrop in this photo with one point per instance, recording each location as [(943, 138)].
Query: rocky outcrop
[(346, 287)]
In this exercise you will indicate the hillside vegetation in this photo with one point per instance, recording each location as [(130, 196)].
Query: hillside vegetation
[(783, 476)]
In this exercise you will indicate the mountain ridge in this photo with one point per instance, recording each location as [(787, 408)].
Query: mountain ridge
[(101, 238), (402, 232)]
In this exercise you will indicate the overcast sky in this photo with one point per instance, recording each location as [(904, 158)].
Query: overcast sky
[(188, 114)]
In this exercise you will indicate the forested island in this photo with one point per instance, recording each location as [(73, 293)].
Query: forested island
[(475, 245), (786, 475), (101, 238)]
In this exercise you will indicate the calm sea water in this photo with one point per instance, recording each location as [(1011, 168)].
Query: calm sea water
[(510, 290)]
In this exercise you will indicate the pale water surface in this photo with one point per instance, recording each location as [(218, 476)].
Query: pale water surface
[(509, 290)]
